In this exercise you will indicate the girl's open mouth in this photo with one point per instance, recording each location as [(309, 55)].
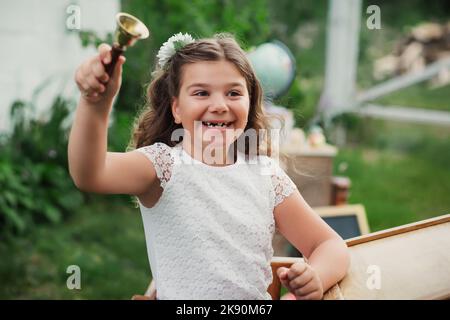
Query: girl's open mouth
[(217, 125)]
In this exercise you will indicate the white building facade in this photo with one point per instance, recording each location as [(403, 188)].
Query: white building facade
[(41, 48)]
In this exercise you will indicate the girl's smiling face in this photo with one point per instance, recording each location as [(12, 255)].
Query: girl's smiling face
[(212, 92)]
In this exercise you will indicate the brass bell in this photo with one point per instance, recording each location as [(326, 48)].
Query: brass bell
[(129, 29)]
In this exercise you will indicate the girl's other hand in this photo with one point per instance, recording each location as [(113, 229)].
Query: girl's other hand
[(302, 281), (92, 79)]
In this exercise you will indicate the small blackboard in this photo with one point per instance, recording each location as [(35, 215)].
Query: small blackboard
[(346, 226), (348, 221)]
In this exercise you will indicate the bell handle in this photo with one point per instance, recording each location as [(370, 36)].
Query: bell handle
[(116, 52)]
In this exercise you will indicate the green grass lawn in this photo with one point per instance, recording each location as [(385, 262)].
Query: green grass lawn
[(402, 176), (106, 242), (419, 96)]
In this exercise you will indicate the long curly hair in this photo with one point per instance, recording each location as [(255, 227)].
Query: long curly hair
[(155, 123)]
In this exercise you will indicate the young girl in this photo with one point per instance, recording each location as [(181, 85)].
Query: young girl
[(209, 195)]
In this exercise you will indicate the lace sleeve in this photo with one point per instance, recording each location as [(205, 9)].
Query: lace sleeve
[(282, 184), (162, 159)]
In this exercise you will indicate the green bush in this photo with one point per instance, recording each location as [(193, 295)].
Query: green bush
[(34, 181)]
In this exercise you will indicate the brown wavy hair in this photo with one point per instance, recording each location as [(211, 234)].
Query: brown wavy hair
[(155, 123)]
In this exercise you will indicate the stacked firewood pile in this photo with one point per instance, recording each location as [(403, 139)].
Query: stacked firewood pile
[(427, 43)]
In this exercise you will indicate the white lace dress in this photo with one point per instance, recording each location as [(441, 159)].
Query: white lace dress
[(209, 236)]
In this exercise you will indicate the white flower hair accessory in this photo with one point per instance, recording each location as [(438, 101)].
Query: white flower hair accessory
[(175, 43)]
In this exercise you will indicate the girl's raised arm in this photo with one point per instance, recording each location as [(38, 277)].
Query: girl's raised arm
[(91, 167)]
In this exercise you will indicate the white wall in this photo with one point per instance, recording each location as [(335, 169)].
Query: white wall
[(37, 49)]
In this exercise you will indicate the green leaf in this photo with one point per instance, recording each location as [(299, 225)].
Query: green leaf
[(28, 203), (6, 171), (51, 213), (19, 188), (13, 217), (11, 198)]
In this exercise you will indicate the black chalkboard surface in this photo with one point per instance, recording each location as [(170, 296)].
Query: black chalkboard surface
[(348, 221), (346, 226)]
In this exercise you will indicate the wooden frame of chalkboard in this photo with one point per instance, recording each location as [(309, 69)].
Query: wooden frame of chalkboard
[(347, 220)]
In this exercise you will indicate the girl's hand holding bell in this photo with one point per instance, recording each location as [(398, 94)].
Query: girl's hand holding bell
[(93, 81)]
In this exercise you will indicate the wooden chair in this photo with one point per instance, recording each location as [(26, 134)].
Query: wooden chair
[(413, 260)]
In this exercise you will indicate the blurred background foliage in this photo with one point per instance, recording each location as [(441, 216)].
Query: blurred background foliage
[(33, 176), (400, 172)]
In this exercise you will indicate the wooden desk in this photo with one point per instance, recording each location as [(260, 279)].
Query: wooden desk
[(413, 260)]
